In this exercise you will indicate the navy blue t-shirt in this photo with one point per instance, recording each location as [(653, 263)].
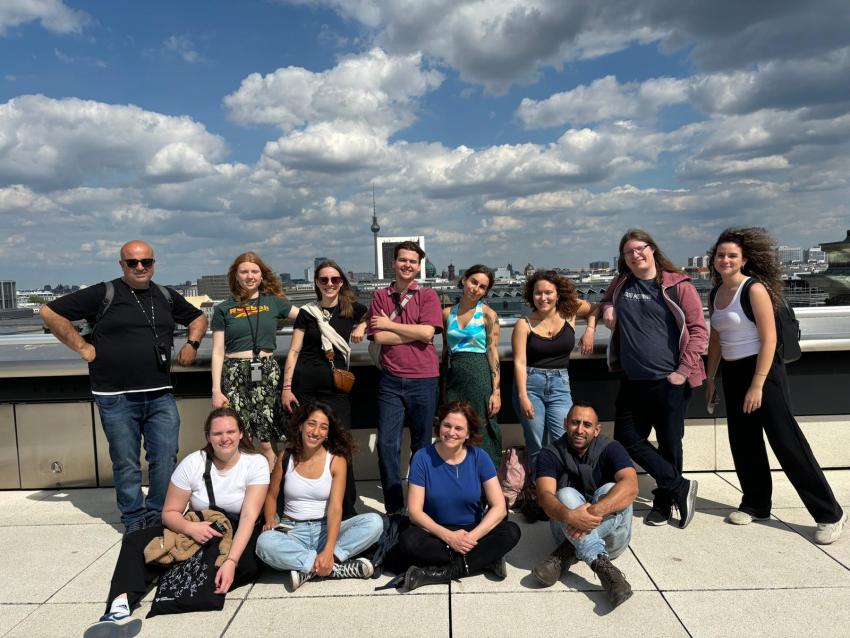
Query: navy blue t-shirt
[(452, 492), (649, 335), (613, 459)]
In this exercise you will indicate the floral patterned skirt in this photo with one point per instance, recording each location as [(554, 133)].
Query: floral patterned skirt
[(259, 404)]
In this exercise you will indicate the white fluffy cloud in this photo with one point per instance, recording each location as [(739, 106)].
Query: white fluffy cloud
[(54, 15)]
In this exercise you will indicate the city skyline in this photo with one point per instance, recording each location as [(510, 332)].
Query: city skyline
[(502, 130)]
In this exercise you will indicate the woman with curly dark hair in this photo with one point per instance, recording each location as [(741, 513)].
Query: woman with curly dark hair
[(658, 335), (755, 386), (452, 534), (308, 537), (542, 343), (245, 374), (471, 355)]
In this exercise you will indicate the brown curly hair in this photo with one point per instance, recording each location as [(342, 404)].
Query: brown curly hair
[(270, 285), (662, 264), (759, 249), (568, 299), (339, 440), (473, 423), (346, 294)]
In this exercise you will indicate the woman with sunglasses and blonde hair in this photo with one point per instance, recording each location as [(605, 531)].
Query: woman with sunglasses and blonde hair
[(308, 373), (245, 374)]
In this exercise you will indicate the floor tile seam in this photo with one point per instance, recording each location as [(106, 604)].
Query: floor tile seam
[(747, 589), (36, 607), (813, 543), (75, 576), (314, 597), (236, 612), (676, 614)]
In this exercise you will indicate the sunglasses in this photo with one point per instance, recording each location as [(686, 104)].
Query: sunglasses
[(637, 250), (146, 263), (335, 281)]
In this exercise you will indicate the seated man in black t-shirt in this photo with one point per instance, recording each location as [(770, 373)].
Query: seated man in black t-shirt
[(129, 357), (586, 483)]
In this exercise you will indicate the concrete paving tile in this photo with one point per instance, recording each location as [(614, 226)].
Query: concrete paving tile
[(801, 521), (534, 545), (67, 619), (50, 558), (784, 494), (713, 493), (708, 555), (11, 615), (560, 613), (70, 507), (92, 585), (410, 616), (772, 612)]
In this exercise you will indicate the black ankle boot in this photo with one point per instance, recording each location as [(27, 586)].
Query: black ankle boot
[(418, 576)]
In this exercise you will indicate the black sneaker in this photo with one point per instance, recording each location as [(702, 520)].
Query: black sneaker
[(612, 579), (550, 569), (686, 504), (658, 515)]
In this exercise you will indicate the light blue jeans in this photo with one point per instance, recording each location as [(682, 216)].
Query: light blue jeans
[(611, 537), (549, 393), (297, 548)]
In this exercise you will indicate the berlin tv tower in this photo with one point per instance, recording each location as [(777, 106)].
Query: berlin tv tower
[(375, 229)]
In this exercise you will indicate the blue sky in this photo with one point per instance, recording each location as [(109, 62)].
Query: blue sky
[(503, 130)]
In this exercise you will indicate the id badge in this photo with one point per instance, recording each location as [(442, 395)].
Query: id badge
[(256, 371)]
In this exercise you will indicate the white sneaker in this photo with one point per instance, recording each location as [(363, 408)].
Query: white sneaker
[(114, 625), (299, 578), (743, 518), (830, 532), (355, 568)]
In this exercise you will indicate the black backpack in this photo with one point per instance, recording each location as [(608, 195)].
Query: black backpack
[(108, 296), (787, 325)]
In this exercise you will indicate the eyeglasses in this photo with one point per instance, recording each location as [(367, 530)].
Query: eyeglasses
[(146, 263), (637, 250), (335, 281)]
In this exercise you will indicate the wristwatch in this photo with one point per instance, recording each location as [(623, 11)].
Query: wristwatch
[(194, 344)]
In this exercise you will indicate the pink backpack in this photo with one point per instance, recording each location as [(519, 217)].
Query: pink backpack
[(512, 474)]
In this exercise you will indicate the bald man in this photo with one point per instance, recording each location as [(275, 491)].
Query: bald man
[(129, 357)]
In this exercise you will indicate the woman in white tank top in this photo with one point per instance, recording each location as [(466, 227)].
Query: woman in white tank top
[(308, 537), (755, 385)]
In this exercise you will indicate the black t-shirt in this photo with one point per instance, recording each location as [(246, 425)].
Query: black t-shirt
[(613, 459), (126, 359), (649, 336), (312, 353)]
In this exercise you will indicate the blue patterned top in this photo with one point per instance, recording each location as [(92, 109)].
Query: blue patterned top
[(472, 338)]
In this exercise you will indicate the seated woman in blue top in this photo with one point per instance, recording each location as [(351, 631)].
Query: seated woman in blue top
[(308, 537), (452, 535)]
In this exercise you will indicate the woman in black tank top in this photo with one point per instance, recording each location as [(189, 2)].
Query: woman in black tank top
[(542, 343)]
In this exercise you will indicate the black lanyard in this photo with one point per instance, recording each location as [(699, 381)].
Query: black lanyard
[(152, 319), (255, 333)]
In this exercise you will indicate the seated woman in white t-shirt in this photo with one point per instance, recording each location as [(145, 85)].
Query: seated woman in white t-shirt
[(240, 479), (309, 537)]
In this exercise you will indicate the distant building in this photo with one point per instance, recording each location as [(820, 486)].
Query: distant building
[(835, 280), (600, 265), (430, 269), (529, 270), (285, 278), (815, 255), (386, 247), (309, 271), (504, 273), (700, 261), (451, 273), (187, 290), (317, 261), (789, 254), (8, 298), (214, 286)]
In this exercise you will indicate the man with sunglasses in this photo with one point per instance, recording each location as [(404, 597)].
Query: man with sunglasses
[(403, 319), (129, 357)]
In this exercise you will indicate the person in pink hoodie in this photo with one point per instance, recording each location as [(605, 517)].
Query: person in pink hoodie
[(658, 335)]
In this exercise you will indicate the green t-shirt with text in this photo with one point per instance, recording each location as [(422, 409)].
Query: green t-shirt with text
[(259, 315)]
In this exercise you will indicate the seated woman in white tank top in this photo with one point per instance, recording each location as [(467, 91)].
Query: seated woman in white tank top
[(308, 537)]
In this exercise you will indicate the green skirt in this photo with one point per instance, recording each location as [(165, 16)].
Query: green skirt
[(468, 379), (259, 404)]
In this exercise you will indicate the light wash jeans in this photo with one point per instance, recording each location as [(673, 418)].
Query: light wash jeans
[(611, 537), (549, 393), (126, 419), (297, 548)]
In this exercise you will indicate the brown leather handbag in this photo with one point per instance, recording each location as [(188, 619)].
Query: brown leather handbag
[(343, 379)]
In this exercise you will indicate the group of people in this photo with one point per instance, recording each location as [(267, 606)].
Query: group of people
[(294, 509)]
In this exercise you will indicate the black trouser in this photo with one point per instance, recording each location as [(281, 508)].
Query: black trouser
[(309, 384), (786, 440), (424, 549), (132, 576), (642, 405)]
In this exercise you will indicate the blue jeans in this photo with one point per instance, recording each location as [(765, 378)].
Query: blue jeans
[(549, 393), (402, 400), (126, 418), (611, 537), (297, 548)]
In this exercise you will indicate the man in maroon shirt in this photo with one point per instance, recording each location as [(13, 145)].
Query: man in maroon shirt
[(404, 319)]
